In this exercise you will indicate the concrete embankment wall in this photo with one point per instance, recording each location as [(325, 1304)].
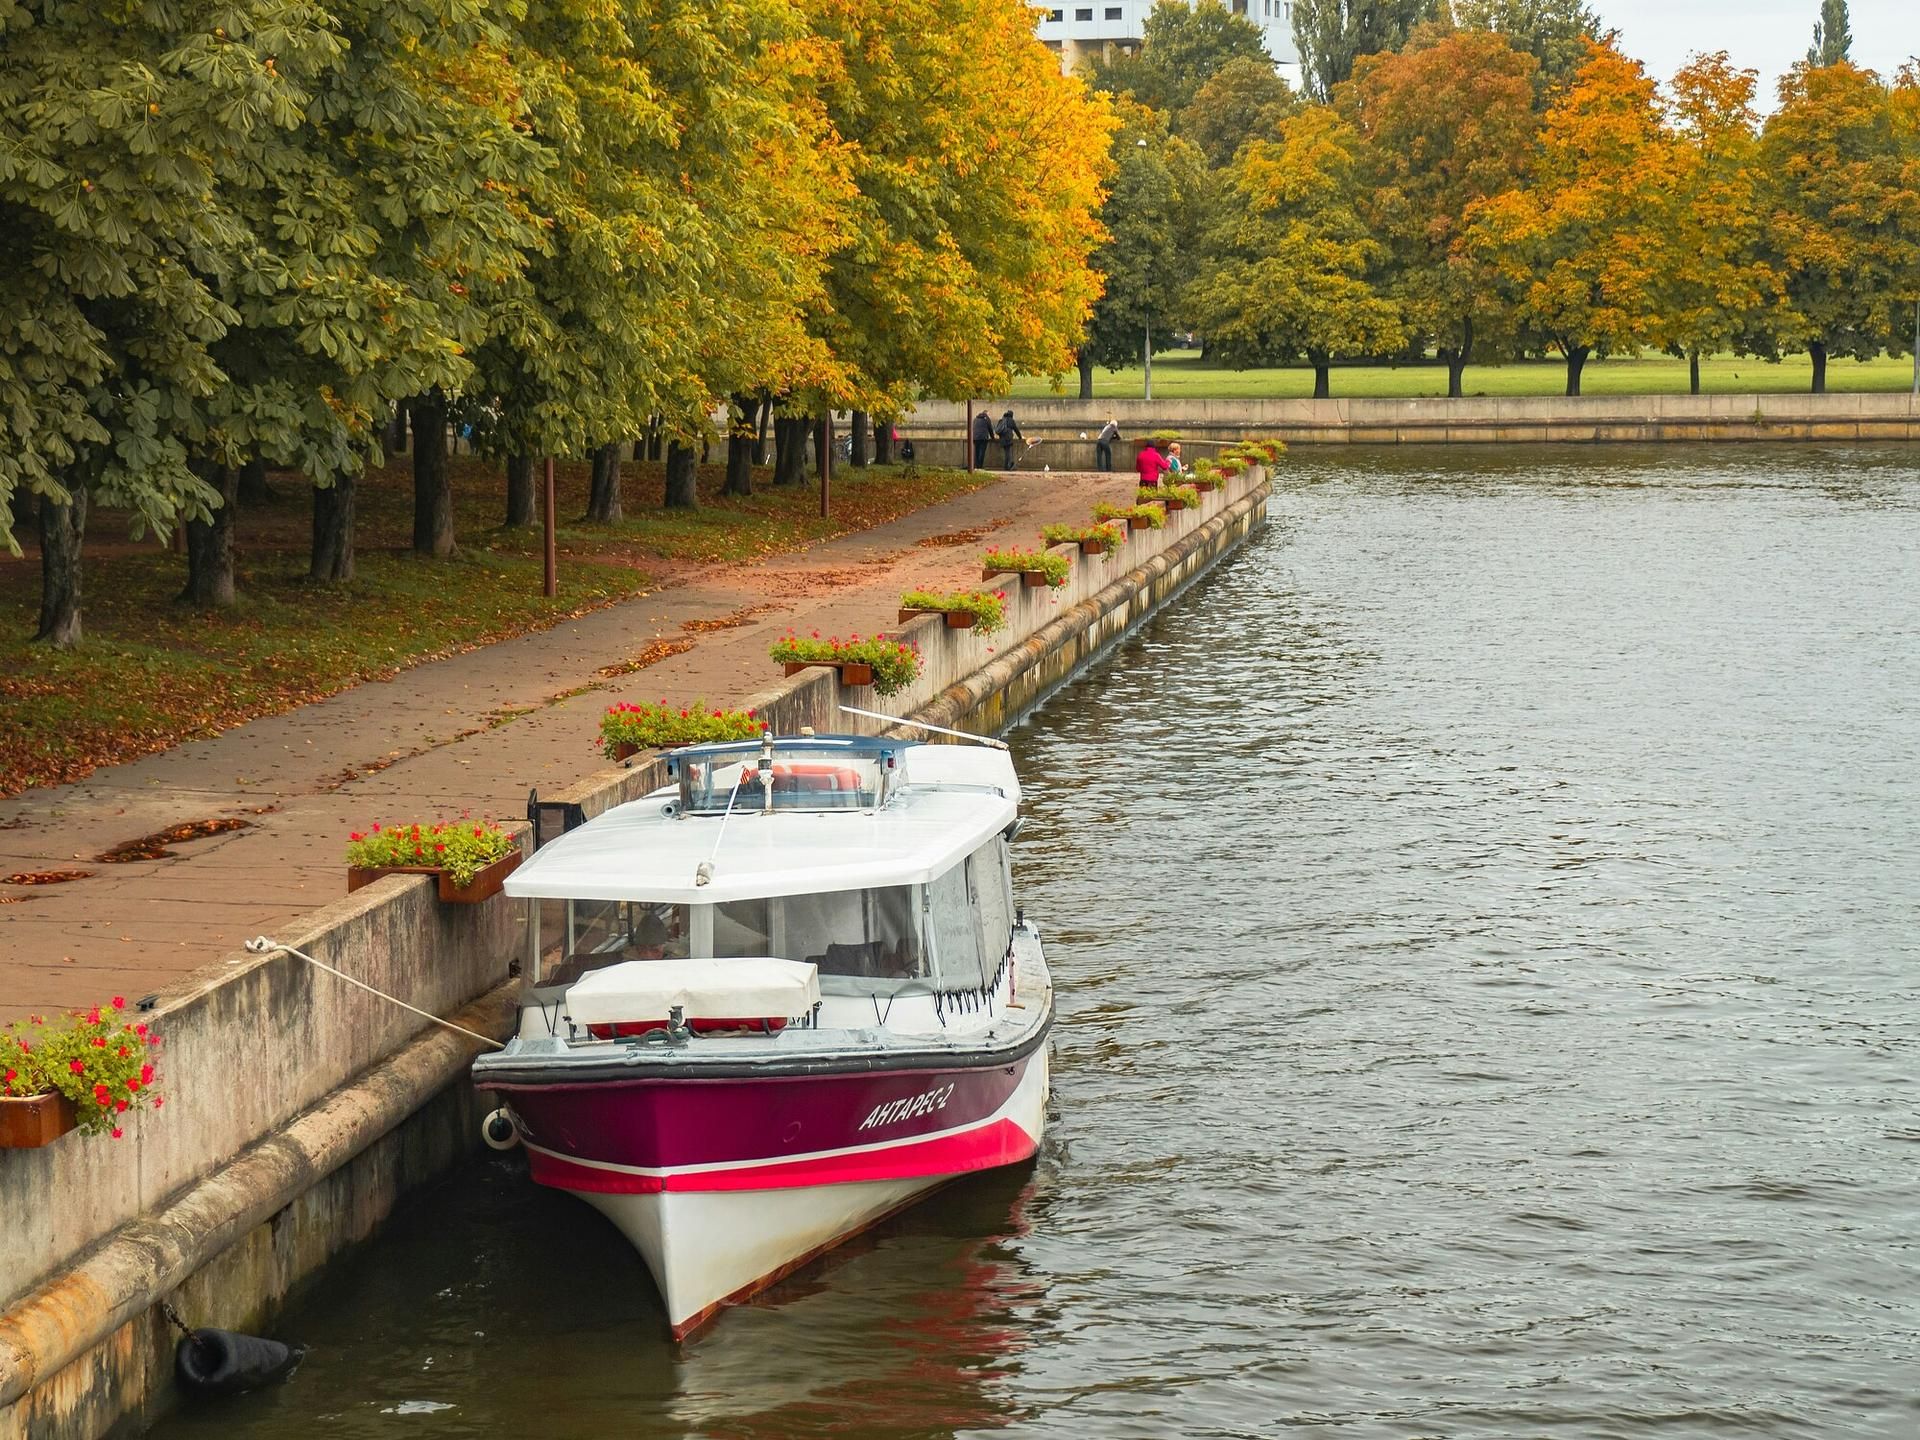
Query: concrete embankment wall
[(937, 428), (300, 1109)]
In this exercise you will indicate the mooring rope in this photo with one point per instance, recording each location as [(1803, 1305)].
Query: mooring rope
[(261, 945)]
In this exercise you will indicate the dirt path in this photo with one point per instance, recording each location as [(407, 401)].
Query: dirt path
[(472, 732)]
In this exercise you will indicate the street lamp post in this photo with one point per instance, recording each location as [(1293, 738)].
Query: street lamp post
[(1146, 327)]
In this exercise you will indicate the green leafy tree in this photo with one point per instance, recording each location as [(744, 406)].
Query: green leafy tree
[(1245, 97), (1291, 266), (1448, 124), (1182, 47), (1832, 34), (1554, 32), (1332, 34), (122, 217), (1841, 164), (1151, 215)]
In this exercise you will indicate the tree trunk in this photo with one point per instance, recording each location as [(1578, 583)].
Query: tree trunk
[(739, 479), (1085, 361), (25, 506), (62, 528), (883, 440), (653, 443), (821, 440), (1693, 372), (603, 498), (254, 489), (790, 450), (396, 436), (1817, 352), (331, 559), (683, 491), (762, 419), (522, 509), (857, 429), (210, 545), (432, 490), (1457, 359), (1576, 361), (1322, 388)]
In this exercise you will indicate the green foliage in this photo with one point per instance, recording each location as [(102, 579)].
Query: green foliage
[(1182, 47), (1332, 34), (99, 1059), (988, 607), (1246, 96), (895, 663), (462, 848), (658, 727), (1554, 32), (1291, 268), (1016, 561), (1832, 35), (1108, 535), (1152, 516)]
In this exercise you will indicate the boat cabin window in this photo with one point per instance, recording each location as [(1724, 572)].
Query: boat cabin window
[(858, 934), (969, 913), (606, 932), (805, 780)]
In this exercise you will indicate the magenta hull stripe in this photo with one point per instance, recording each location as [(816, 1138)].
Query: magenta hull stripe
[(670, 1124), (1001, 1142)]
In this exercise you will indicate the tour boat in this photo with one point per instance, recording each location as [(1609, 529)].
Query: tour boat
[(776, 1001)]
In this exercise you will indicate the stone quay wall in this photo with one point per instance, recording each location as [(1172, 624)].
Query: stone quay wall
[(301, 1109), (937, 428)]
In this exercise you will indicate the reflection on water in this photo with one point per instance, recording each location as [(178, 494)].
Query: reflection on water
[(1485, 916)]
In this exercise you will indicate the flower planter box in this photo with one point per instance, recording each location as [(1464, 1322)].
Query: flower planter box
[(1093, 547), (1138, 522), (1206, 487), (27, 1123), (1033, 579), (956, 619), (625, 750), (1171, 503), (851, 673), (483, 886)]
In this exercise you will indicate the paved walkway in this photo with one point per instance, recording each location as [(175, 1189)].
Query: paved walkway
[(472, 732)]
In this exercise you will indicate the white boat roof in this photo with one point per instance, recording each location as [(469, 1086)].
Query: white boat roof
[(955, 798)]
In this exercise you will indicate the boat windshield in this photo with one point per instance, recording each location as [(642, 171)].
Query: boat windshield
[(860, 934), (803, 779)]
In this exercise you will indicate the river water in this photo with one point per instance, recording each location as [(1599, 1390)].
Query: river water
[(1485, 920)]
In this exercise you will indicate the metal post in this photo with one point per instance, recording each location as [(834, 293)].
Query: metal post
[(1146, 350), (552, 586), (826, 461), (969, 439), (1916, 345)]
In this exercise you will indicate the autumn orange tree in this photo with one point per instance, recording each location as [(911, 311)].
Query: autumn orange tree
[(1447, 124), (1291, 268), (1582, 246), (1718, 290), (1841, 160)]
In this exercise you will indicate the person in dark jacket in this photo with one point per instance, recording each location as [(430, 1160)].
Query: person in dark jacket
[(982, 434), (1103, 444), (1009, 431)]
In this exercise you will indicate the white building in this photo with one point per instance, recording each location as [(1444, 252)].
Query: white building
[(1077, 30)]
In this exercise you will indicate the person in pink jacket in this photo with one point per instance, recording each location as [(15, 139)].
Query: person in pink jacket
[(1152, 464)]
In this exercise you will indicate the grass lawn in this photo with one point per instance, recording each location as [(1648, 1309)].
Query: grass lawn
[(151, 673), (1183, 373)]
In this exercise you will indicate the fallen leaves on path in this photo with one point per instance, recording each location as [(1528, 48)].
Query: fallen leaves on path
[(154, 846), (952, 537), (731, 621), (43, 877), (656, 652)]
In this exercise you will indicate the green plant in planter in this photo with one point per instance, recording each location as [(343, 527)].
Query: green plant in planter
[(1184, 494), (662, 726), (1154, 516), (99, 1059), (1108, 534), (1054, 567), (895, 663), (1164, 438), (988, 607), (462, 848), (1231, 465)]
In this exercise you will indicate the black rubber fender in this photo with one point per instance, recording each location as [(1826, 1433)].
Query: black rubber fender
[(221, 1362)]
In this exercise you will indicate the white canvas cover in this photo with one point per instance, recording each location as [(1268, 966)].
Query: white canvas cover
[(750, 988)]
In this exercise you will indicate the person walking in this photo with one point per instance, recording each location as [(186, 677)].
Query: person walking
[(1152, 464), (1175, 465), (982, 434), (1103, 443), (1009, 431)]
